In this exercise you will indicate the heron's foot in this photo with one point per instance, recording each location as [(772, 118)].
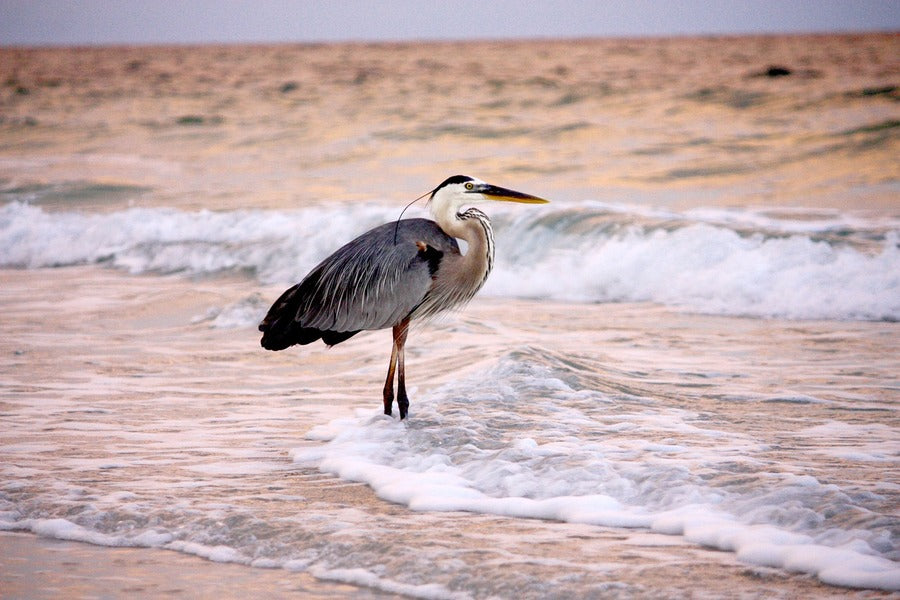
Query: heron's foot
[(403, 405)]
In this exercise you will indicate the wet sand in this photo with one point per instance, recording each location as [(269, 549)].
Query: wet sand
[(34, 567)]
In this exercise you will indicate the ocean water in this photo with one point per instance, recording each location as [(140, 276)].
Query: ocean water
[(681, 376), (800, 264)]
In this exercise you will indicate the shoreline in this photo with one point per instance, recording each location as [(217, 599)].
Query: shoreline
[(32, 566)]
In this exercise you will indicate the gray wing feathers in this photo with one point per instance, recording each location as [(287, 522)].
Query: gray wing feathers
[(372, 282)]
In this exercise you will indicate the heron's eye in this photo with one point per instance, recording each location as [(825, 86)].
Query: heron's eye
[(470, 186)]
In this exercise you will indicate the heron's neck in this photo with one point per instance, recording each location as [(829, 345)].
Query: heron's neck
[(474, 227)]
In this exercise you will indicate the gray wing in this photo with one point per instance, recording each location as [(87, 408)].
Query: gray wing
[(372, 282)]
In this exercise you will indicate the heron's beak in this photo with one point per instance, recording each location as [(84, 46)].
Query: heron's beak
[(493, 192)]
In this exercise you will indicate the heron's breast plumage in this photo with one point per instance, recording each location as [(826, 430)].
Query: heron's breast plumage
[(460, 277)]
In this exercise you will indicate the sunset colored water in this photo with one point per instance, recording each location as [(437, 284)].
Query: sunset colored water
[(681, 377)]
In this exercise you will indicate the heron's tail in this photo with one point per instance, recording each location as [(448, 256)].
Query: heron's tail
[(281, 329)]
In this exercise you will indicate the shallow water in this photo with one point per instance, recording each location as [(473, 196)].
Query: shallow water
[(636, 431), (681, 377)]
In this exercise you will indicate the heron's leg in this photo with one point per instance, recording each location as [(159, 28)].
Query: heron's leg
[(400, 331), (389, 382)]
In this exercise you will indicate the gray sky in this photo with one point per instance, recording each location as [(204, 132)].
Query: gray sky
[(65, 22)]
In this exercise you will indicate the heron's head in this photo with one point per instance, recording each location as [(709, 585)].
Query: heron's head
[(460, 190)]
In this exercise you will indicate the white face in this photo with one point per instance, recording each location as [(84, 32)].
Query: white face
[(450, 197), (468, 191), (455, 195)]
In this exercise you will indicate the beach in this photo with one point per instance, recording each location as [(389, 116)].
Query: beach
[(679, 381), (35, 567)]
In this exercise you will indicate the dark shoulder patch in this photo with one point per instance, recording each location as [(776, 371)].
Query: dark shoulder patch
[(430, 255)]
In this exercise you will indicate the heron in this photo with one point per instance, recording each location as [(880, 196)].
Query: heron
[(393, 274)]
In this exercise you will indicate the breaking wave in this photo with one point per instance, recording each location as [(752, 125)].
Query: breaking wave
[(793, 264)]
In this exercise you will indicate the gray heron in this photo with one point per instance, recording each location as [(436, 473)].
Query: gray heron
[(395, 273)]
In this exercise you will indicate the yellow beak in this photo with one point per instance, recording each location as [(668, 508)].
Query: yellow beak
[(494, 192)]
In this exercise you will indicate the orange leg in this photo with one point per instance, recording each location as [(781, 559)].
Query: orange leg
[(389, 382), (400, 342), (397, 365)]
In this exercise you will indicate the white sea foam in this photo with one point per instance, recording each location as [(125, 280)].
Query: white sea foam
[(63, 529), (278, 246), (709, 269), (218, 553), (363, 577), (717, 262), (461, 452)]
